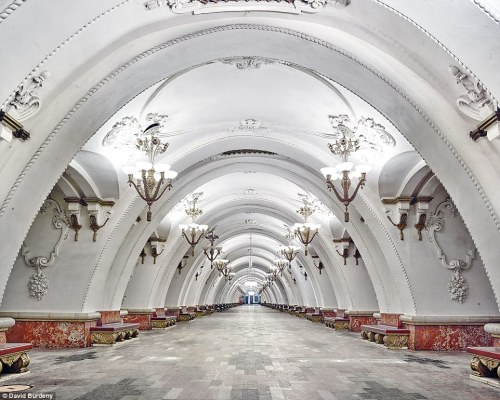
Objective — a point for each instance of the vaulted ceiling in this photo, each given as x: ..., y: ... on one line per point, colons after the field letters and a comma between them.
x: 248, y: 89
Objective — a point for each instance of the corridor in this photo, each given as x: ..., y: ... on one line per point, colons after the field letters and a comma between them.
x: 250, y: 353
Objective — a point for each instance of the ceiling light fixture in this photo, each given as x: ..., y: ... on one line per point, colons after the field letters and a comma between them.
x: 193, y: 232
x: 306, y: 231
x: 148, y: 178
x: 289, y: 252
x: 344, y: 147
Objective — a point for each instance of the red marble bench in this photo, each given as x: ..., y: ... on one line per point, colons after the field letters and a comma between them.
x: 13, y: 357
x: 113, y: 332
x: 163, y: 321
x: 486, y: 361
x: 338, y: 323
x: 315, y: 315
x: 391, y: 336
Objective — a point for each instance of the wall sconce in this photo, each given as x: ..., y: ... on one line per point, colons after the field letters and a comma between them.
x: 303, y: 272
x: 197, y: 275
x: 320, y: 266
x: 74, y: 207
x: 357, y: 256
x: 156, y: 245
x: 344, y: 242
x: 182, y: 263
x: 95, y: 207
x: 142, y: 255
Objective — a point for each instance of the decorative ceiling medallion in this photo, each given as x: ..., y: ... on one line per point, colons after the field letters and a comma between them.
x: 124, y: 133
x: 250, y: 125
x: 210, y: 6
x: 371, y: 135
x: 248, y: 62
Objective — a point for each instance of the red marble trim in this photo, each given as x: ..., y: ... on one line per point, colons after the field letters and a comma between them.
x: 496, y: 342
x: 329, y: 314
x: 390, y: 319
x: 356, y: 321
x: 385, y: 329
x: 108, y: 317
x: 491, y: 352
x: 144, y: 321
x: 51, y: 334
x: 447, y: 337
x: 9, y: 348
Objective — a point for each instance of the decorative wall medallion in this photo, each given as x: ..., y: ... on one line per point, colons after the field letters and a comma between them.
x: 209, y: 6
x: 38, y: 284
x: 457, y: 287
x: 248, y: 62
x: 26, y: 102
x: 476, y: 103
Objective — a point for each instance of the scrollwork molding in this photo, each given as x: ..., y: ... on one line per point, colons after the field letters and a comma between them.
x: 38, y: 284
x: 457, y: 286
x: 209, y: 6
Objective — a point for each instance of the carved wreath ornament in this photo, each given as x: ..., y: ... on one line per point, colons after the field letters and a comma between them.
x: 38, y: 284
x: 457, y: 286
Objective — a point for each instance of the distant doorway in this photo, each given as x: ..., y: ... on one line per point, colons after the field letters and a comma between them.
x: 251, y: 299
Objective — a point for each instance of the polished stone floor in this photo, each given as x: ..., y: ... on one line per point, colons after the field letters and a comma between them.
x: 251, y: 353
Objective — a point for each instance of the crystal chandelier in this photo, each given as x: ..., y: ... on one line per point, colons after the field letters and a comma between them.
x: 289, y: 252
x: 193, y: 232
x: 306, y: 231
x: 344, y: 147
x: 212, y: 252
x: 148, y: 178
x: 281, y: 265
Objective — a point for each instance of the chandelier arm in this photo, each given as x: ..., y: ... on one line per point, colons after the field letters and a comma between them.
x: 359, y: 185
x: 138, y: 191
x: 158, y: 186
x: 332, y: 187
x: 168, y: 186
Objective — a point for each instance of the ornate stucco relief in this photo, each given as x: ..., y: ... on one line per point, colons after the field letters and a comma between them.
x: 476, y: 103
x: 457, y: 286
x: 38, y: 284
x: 26, y: 101
x: 209, y: 6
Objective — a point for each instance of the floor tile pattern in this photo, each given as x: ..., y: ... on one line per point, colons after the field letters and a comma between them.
x: 250, y: 353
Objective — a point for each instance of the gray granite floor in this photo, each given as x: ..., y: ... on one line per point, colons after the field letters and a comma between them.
x: 250, y: 353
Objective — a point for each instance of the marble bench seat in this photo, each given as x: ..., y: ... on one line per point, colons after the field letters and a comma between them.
x: 390, y: 336
x: 338, y: 323
x: 163, y: 322
x: 486, y: 361
x: 13, y: 357
x: 113, y: 332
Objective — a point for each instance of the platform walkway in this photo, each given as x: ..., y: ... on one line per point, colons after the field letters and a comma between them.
x: 251, y: 353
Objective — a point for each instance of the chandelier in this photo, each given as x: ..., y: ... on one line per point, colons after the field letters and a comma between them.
x: 289, y: 252
x: 193, y: 232
x: 306, y: 231
x: 227, y: 273
x: 212, y: 252
x: 281, y: 265
x: 148, y: 178
x: 220, y: 264
x: 344, y: 147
